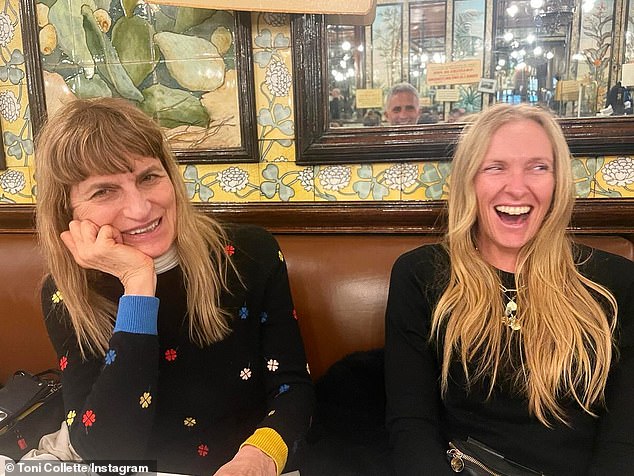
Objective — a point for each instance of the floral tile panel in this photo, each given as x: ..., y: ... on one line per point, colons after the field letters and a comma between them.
x: 222, y: 183
x: 12, y: 68
x: 286, y: 181
x: 15, y: 186
x: 425, y: 180
x: 356, y: 182
x: 277, y: 150
x: 273, y: 85
x: 274, y: 25
x: 615, y: 177
x: 16, y: 131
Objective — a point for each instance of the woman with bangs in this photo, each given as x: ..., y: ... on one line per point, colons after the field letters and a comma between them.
x: 510, y: 349
x: 176, y: 336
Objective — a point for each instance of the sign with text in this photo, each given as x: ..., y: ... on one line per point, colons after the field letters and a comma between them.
x: 567, y: 90
x: 447, y: 95
x: 369, y: 98
x: 456, y: 72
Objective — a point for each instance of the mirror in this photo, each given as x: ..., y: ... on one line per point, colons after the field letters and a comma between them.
x: 459, y: 56
x: 190, y: 69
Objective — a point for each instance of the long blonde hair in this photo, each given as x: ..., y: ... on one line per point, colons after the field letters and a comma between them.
x: 567, y: 320
x: 98, y: 137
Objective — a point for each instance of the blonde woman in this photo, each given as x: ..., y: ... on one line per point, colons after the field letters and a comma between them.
x: 507, y: 343
x: 177, y: 337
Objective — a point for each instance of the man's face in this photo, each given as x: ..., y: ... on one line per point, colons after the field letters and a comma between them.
x: 402, y: 109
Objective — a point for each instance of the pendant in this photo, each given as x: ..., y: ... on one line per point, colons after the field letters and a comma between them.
x: 513, y: 323
x: 509, y: 315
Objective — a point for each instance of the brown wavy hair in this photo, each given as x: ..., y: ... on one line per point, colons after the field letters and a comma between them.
x: 98, y: 137
x: 568, y: 321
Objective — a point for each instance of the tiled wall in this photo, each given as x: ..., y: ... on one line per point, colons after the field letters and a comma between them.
x: 276, y: 177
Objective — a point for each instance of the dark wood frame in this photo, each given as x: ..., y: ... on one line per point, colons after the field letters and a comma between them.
x: 246, y: 152
x: 590, y: 216
x: 317, y: 143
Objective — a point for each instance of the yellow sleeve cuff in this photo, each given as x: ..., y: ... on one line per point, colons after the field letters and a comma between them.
x: 271, y: 443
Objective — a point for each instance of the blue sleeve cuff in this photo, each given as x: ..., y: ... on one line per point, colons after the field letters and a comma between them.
x: 137, y: 315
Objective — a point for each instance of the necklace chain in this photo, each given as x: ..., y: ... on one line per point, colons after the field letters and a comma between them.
x: 510, y: 311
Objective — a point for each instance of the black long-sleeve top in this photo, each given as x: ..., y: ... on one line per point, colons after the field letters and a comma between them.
x: 157, y: 396
x: 421, y: 423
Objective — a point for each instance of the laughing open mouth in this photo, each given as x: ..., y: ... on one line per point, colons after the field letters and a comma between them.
x: 513, y: 215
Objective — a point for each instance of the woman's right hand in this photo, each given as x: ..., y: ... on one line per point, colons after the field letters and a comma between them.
x: 102, y: 248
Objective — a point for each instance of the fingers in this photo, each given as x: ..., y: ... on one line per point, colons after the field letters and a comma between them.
x: 102, y: 248
x: 90, y: 244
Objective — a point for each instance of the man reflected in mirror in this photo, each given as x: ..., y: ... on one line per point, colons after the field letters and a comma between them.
x: 402, y: 105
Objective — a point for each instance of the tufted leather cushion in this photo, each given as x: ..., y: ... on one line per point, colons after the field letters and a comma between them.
x: 339, y: 283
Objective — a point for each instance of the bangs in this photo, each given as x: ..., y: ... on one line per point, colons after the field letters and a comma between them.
x: 108, y: 148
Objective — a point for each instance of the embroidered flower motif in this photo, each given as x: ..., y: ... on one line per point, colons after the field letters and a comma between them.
x: 12, y: 181
x: 284, y: 388
x: 233, y: 179
x: 111, y: 355
x: 63, y: 363
x: 7, y: 29
x: 170, y: 355
x: 88, y: 418
x: 278, y: 78
x: 189, y: 421
x: 335, y: 177
x: 57, y: 297
x: 272, y: 365
x: 243, y: 313
x: 145, y: 400
x: 280, y: 255
x: 264, y: 317
x: 295, y: 314
x: 245, y: 373
x: 9, y: 107
x: 307, y: 178
x: 203, y: 449
x: 619, y: 172
x: 230, y: 250
x: 70, y: 417
x: 401, y: 176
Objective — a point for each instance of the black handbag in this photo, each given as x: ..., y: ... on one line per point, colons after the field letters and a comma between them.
x: 31, y: 406
x: 473, y: 458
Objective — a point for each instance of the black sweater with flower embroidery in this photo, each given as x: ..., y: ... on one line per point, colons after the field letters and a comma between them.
x: 421, y: 423
x: 157, y: 396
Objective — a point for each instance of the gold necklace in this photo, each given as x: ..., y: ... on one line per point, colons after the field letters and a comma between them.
x: 510, y: 311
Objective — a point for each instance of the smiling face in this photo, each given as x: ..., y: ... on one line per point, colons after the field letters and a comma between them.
x: 514, y: 188
x: 140, y: 204
x: 402, y: 108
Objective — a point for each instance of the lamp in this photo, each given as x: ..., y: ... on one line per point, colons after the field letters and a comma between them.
x: 555, y: 14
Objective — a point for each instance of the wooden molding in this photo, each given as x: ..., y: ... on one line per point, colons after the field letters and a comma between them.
x: 596, y: 216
